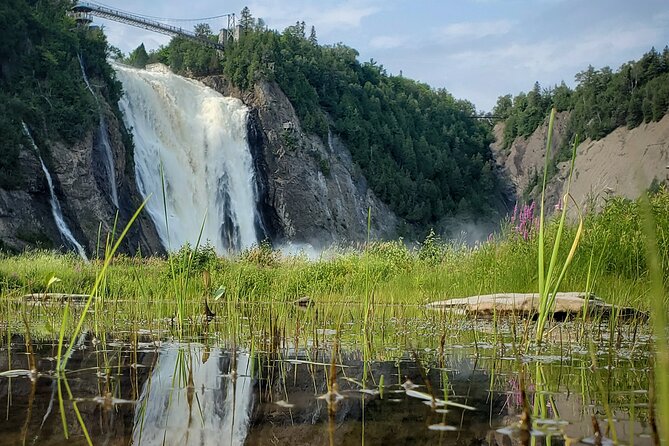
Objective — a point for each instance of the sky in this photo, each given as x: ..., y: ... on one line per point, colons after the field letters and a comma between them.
x: 476, y: 49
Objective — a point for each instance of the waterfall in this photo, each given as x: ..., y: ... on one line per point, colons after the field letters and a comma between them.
x: 191, y: 143
x: 85, y: 76
x: 103, y: 137
x: 56, y: 210
x: 194, y: 398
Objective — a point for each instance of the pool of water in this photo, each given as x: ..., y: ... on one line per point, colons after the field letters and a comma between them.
x: 469, y: 384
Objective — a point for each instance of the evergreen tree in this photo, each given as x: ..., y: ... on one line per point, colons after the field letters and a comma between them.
x: 246, y: 20
x: 138, y: 57
x: 503, y: 107
x: 312, y: 36
x: 203, y: 30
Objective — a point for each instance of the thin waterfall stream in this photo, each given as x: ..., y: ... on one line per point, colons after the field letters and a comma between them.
x: 103, y: 138
x: 56, y: 210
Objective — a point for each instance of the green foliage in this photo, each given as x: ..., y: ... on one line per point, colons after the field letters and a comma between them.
x: 435, y: 270
x: 41, y: 81
x: 432, y: 249
x: 619, y: 228
x: 138, y: 58
x: 187, y: 57
x: 261, y: 255
x: 602, y: 101
x: 419, y: 149
x: 194, y: 260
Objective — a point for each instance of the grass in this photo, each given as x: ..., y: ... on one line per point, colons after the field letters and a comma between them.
x: 371, y: 299
x: 391, y: 271
x: 549, y: 281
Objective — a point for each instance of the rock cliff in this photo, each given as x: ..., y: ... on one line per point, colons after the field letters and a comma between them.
x: 313, y: 192
x: 310, y: 190
x: 624, y: 163
x: 77, y: 170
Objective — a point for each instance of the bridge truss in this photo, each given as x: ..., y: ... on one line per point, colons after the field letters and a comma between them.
x: 83, y: 10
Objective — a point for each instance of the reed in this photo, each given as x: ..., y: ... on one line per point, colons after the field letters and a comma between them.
x: 550, y: 280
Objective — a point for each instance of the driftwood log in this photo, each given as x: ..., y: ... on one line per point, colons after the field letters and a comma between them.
x: 567, y: 305
x: 55, y: 297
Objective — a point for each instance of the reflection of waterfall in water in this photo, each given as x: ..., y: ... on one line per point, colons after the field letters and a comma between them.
x: 103, y: 137
x: 191, y: 399
x: 56, y: 210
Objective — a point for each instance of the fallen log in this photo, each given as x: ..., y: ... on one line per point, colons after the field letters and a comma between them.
x: 55, y: 297
x: 567, y: 305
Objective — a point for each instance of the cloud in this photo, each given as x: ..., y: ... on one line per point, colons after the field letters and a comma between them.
x: 326, y: 18
x: 475, y: 30
x: 549, y: 56
x: 387, y: 42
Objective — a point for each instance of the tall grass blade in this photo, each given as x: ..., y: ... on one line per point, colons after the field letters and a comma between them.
x: 658, y: 316
x: 549, y: 281
x: 98, y: 280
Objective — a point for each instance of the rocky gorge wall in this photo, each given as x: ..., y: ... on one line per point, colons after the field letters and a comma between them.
x: 310, y: 191
x: 78, y: 171
x: 624, y: 163
x: 313, y: 192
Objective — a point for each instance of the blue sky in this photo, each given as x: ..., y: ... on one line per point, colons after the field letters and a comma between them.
x: 476, y: 49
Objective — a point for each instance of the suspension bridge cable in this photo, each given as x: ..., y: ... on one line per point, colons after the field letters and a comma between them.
x: 167, y: 19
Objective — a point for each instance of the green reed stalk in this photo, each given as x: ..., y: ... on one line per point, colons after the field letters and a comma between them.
x: 658, y: 316
x: 100, y: 277
x: 61, y: 338
x: 549, y: 281
x: 183, y: 294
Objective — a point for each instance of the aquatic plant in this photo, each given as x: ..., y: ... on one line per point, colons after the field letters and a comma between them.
x: 550, y: 280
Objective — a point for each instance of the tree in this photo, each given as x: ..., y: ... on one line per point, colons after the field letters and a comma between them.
x: 203, y: 30
x: 114, y: 53
x: 138, y: 57
x: 503, y: 107
x: 312, y: 36
x: 246, y: 21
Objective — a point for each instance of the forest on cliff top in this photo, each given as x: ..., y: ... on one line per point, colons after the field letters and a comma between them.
x: 41, y: 81
x: 602, y: 100
x: 422, y: 151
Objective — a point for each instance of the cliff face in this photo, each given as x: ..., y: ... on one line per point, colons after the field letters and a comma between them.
x: 310, y: 191
x: 624, y: 163
x: 81, y: 187
x: 313, y: 192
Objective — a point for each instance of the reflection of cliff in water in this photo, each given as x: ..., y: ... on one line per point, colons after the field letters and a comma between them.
x: 395, y: 419
x: 33, y: 416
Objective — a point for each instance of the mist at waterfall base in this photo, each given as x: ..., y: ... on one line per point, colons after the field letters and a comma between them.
x: 191, y: 143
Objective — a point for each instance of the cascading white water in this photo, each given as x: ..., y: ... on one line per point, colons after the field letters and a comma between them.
x: 103, y: 137
x: 199, y: 139
x: 56, y: 210
x: 85, y: 76
x: 192, y: 399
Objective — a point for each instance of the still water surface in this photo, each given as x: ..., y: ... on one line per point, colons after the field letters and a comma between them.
x: 145, y: 388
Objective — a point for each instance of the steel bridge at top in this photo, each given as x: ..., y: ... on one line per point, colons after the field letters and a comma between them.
x: 83, y: 11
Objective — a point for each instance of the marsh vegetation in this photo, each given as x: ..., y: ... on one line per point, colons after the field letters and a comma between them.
x: 273, y: 348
